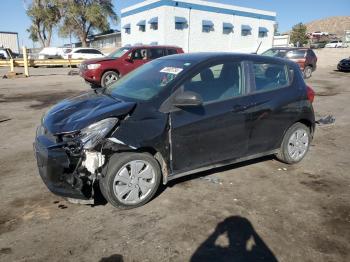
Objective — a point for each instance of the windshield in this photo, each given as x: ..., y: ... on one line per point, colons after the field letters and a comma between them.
x: 148, y: 80
x: 119, y: 52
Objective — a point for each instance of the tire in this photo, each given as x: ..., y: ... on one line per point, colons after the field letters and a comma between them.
x: 285, y: 153
x: 94, y: 86
x: 124, y: 189
x: 109, y: 78
x: 307, y: 72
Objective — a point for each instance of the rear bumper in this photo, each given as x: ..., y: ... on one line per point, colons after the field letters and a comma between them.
x: 55, y: 168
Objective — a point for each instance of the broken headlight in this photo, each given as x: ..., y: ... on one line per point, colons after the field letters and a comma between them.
x: 90, y: 136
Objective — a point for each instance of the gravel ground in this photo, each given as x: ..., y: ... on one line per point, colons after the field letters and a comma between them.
x: 246, y: 212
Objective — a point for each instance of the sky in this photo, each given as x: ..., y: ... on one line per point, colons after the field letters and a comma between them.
x: 289, y: 12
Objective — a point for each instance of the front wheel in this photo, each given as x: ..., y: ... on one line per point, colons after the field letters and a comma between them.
x: 130, y: 179
x: 295, y: 144
x: 307, y: 72
x: 109, y: 78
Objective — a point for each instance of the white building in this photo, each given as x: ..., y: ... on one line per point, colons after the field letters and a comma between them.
x: 197, y: 25
x: 9, y: 40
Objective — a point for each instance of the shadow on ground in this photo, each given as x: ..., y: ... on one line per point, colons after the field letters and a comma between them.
x: 243, y: 244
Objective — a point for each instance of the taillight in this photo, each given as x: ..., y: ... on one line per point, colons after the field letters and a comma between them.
x: 301, y: 61
x: 310, y: 94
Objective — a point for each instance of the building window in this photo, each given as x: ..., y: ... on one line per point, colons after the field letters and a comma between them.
x: 142, y: 25
x: 207, y: 26
x: 263, y: 32
x: 153, y: 23
x: 246, y: 30
x: 127, y: 28
x: 180, y: 23
x: 227, y: 28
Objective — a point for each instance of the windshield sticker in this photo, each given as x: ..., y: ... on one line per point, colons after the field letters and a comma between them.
x: 171, y: 70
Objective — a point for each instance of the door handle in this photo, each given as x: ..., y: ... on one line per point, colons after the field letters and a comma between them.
x: 239, y: 108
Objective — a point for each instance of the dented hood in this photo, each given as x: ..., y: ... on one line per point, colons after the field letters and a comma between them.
x: 78, y: 112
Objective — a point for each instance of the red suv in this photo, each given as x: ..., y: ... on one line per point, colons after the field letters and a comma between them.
x: 304, y: 57
x: 102, y: 72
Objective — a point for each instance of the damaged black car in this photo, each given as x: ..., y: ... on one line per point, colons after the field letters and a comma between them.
x: 173, y: 117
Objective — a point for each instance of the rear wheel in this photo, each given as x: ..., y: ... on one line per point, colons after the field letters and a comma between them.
x: 109, y: 78
x: 307, y: 72
x: 130, y: 179
x: 295, y: 144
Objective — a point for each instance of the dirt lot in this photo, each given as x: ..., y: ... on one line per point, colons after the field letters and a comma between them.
x: 260, y: 210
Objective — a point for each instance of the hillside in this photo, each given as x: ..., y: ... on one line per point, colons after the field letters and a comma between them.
x: 334, y: 25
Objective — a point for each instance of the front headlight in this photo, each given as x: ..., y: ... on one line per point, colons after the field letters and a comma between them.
x: 93, y: 66
x: 93, y: 134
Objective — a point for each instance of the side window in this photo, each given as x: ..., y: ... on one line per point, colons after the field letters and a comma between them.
x: 92, y: 51
x: 156, y: 53
x: 269, y: 76
x: 139, y: 54
x: 172, y: 52
x: 217, y: 82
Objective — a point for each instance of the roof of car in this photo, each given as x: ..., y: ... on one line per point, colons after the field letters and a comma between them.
x: 290, y: 48
x: 152, y: 46
x: 203, y: 56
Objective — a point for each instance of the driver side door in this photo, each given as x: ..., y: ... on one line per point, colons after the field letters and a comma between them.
x: 217, y: 130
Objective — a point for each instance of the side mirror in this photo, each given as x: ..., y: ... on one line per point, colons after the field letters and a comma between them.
x: 188, y: 99
x: 129, y: 59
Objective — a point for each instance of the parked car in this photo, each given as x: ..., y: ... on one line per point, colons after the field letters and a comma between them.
x: 304, y: 57
x: 50, y: 53
x: 317, y: 45
x: 344, y: 65
x: 335, y: 44
x: 6, y: 53
x: 82, y: 53
x: 104, y: 72
x: 172, y: 117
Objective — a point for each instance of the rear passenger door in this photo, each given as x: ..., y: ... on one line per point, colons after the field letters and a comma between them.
x: 218, y: 130
x: 277, y: 103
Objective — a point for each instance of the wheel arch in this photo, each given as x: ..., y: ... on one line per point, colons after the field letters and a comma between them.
x: 158, y: 156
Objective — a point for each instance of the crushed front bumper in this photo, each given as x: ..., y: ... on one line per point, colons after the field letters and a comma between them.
x: 56, y: 169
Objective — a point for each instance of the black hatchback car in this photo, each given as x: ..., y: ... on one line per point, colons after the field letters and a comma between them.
x: 344, y: 65
x: 172, y: 117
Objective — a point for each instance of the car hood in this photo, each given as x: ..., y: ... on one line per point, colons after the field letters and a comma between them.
x: 78, y: 112
x: 98, y: 60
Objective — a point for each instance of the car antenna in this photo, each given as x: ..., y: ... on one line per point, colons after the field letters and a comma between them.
x: 256, y: 52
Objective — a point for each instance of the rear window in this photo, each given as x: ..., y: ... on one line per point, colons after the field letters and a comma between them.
x: 269, y: 76
x: 296, y: 54
x: 285, y: 53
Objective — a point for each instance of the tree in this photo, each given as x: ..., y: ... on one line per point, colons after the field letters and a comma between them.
x: 44, y: 15
x: 298, y: 34
x: 82, y: 17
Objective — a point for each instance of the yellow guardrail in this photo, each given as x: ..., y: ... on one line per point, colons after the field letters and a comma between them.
x: 41, y: 62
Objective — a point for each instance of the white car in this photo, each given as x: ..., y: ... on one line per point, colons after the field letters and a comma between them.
x: 334, y: 44
x: 83, y: 53
x: 51, y: 53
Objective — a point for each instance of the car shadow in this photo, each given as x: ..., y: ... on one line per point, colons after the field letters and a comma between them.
x: 101, y: 201
x: 112, y: 258
x: 242, y: 244
x: 219, y: 170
